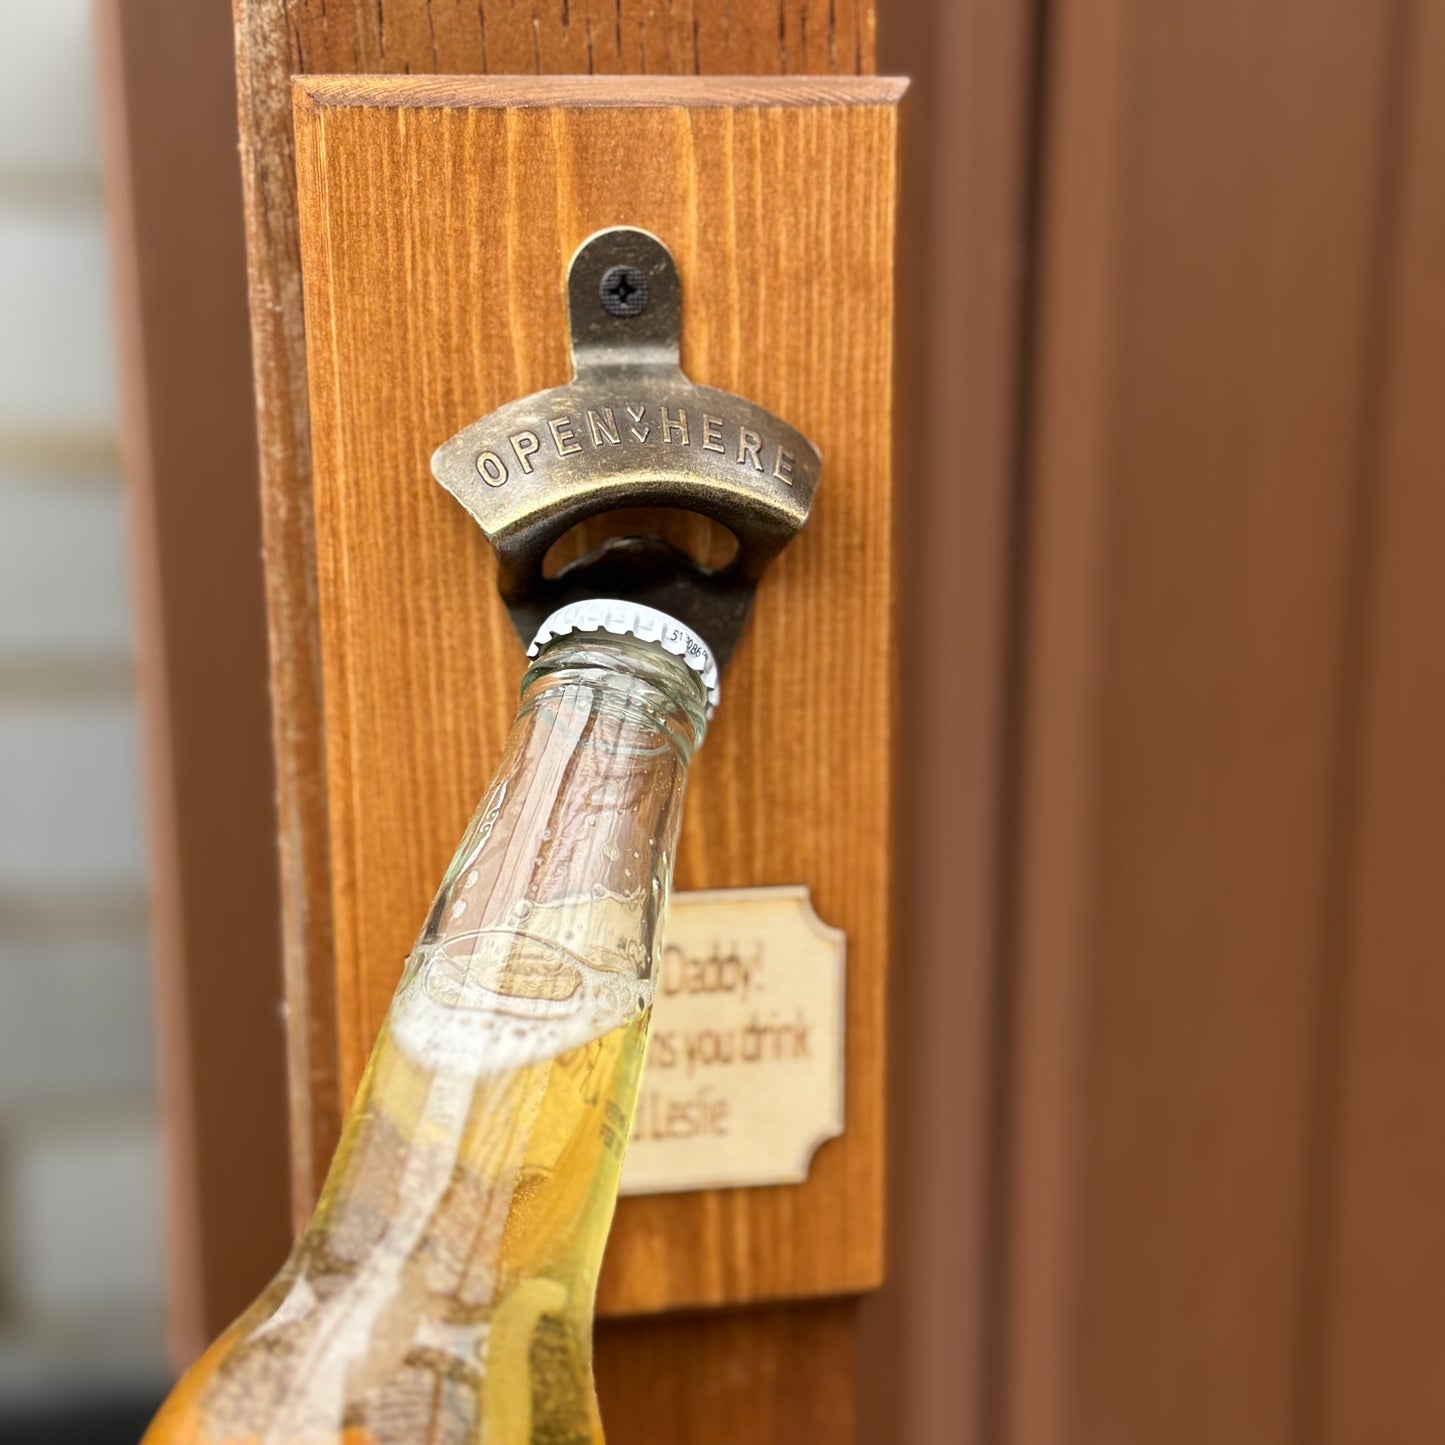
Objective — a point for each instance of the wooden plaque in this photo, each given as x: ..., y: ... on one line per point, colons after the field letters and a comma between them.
x: 746, y: 1059
x: 437, y: 219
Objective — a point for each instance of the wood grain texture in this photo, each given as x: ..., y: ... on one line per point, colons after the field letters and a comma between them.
x: 425, y: 314
x: 266, y: 54
x: 582, y: 37
x: 276, y: 39
x: 1212, y: 179
x: 776, y: 1375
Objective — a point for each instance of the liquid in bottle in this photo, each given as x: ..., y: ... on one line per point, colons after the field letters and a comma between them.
x: 442, y: 1293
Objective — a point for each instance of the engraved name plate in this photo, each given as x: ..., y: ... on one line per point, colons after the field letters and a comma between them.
x: 744, y: 1073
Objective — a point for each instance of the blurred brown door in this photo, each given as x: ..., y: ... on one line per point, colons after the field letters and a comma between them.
x: 1219, y: 1179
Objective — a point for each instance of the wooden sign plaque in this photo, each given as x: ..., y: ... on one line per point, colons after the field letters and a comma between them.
x: 745, y: 1064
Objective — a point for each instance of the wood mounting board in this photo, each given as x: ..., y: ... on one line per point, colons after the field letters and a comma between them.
x: 438, y: 215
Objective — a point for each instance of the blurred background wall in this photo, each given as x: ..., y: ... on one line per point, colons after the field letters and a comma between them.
x: 80, y: 1227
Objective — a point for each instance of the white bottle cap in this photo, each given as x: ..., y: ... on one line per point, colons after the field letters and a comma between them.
x: 634, y: 619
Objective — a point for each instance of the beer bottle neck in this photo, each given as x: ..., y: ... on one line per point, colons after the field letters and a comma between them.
x: 631, y: 681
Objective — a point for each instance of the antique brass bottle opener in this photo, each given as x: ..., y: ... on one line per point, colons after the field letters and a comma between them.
x: 630, y: 430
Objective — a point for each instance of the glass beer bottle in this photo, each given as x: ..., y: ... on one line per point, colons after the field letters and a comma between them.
x: 443, y: 1290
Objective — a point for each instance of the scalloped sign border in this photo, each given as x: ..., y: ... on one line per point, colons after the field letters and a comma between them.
x: 744, y: 1077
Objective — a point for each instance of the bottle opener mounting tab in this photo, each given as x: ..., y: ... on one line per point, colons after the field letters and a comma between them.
x: 630, y: 430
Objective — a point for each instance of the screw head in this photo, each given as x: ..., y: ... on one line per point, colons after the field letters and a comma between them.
x: 623, y: 291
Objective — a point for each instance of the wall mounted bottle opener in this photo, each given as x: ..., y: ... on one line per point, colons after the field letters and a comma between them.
x: 630, y: 430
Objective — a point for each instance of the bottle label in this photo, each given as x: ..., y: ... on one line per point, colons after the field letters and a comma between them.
x: 744, y: 1074
x: 501, y: 999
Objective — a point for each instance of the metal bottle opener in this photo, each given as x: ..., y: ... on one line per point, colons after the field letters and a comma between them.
x: 630, y: 430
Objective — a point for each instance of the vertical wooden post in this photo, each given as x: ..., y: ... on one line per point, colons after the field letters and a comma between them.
x: 274, y: 40
x: 774, y: 1374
